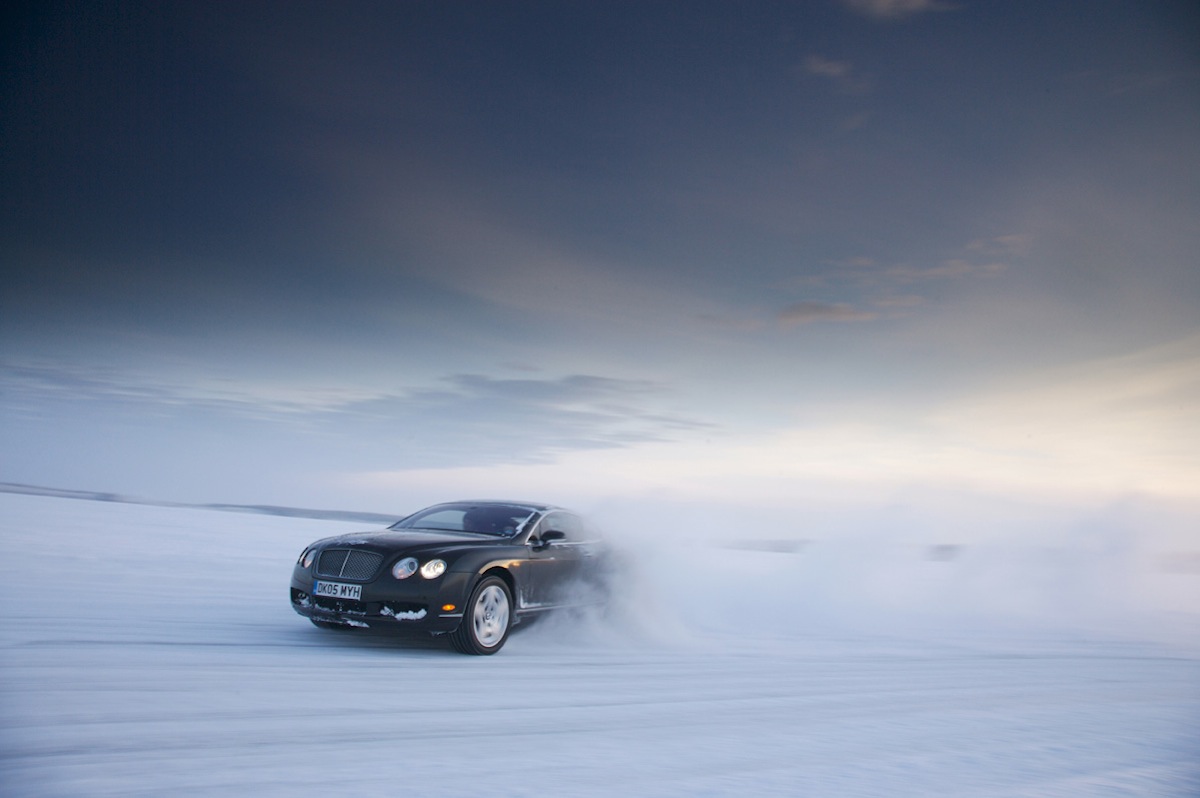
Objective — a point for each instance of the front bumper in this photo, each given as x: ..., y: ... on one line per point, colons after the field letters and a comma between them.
x: 416, y: 604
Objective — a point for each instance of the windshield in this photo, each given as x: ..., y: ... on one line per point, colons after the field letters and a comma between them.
x: 501, y: 520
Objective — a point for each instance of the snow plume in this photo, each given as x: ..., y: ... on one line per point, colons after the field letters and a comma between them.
x: 935, y: 565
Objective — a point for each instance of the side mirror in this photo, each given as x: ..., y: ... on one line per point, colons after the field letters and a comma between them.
x: 551, y: 535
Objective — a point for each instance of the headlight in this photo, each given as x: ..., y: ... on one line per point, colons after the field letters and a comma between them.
x: 405, y: 568
x: 306, y: 558
x: 433, y: 569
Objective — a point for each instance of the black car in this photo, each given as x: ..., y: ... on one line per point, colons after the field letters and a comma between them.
x: 469, y: 570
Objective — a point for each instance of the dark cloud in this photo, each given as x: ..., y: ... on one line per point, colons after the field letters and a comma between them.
x: 842, y: 73
x: 478, y: 419
x: 32, y: 384
x: 952, y: 269
x: 896, y: 9
x: 468, y: 419
x: 810, y: 312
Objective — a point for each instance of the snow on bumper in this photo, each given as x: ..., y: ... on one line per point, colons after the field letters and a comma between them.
x: 432, y: 606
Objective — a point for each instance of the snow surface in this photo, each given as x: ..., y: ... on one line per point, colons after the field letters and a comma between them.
x: 152, y: 651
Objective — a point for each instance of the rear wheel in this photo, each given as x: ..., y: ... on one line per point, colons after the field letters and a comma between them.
x: 488, y: 619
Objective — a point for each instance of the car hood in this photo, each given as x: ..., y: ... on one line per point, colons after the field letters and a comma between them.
x: 395, y: 541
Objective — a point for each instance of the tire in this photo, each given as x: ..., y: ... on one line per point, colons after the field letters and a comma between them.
x: 487, y: 620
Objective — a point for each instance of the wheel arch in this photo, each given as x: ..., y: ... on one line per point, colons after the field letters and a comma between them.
x: 503, y: 573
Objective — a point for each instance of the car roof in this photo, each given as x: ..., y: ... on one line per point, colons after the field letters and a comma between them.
x: 540, y: 507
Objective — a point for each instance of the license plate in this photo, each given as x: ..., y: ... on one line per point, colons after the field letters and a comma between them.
x: 337, y: 590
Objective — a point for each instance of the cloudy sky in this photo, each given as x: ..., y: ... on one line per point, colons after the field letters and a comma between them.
x: 362, y: 254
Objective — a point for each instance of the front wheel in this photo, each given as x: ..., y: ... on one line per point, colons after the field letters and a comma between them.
x: 487, y: 620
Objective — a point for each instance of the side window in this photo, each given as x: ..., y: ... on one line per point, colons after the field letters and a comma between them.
x: 566, y: 523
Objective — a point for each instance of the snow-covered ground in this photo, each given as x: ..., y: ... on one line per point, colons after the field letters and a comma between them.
x: 151, y: 651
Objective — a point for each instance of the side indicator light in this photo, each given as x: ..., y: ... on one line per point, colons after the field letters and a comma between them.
x: 448, y: 608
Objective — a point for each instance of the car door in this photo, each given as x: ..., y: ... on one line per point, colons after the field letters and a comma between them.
x: 554, y: 562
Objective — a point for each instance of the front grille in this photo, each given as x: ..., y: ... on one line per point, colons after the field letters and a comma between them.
x: 348, y: 564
